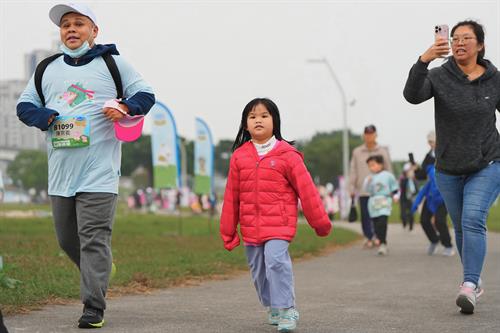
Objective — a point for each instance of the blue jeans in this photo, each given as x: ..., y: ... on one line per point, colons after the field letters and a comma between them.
x: 468, y: 199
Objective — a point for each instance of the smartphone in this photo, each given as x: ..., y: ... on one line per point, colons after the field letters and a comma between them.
x: 411, y: 158
x: 442, y: 30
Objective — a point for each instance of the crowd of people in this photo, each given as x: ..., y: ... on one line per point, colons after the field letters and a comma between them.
x: 171, y: 201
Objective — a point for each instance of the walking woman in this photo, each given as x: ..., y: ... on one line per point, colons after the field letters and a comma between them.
x: 466, y: 91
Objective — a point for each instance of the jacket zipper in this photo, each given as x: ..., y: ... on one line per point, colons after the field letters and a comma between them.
x: 257, y: 210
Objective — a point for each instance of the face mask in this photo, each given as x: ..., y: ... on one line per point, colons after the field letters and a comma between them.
x: 76, y: 53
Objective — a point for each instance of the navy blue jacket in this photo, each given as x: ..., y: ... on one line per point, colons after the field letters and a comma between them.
x: 32, y: 115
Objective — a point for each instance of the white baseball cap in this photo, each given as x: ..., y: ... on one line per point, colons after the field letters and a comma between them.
x: 58, y: 11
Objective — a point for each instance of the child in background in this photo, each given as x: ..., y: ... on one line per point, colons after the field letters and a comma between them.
x: 266, y: 174
x: 382, y: 186
x: 434, y: 207
x: 407, y: 190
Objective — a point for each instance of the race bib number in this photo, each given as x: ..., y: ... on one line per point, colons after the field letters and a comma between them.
x: 380, y: 202
x: 70, y: 132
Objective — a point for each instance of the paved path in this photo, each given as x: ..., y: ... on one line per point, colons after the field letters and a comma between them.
x: 350, y: 290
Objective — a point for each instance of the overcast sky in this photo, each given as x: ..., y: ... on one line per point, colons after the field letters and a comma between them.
x: 209, y: 58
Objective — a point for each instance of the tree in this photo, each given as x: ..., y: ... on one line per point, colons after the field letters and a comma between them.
x: 189, y: 145
x: 222, y: 155
x: 136, y: 154
x: 323, y: 154
x: 30, y: 169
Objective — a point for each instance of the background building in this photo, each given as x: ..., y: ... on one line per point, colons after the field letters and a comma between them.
x: 14, y: 135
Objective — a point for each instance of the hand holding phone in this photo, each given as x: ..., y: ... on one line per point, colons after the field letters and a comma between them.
x: 411, y: 158
x: 441, y: 46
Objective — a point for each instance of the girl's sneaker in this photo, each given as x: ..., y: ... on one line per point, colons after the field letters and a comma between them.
x: 288, y: 319
x: 273, y: 316
x: 467, y: 298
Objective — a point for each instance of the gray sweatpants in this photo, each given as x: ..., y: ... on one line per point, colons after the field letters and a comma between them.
x: 272, y: 274
x: 83, y: 226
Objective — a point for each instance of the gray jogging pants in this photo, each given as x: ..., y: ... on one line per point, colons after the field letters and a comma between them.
x: 83, y: 226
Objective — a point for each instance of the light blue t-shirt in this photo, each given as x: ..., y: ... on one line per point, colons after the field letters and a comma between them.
x: 80, y: 92
x: 380, y: 186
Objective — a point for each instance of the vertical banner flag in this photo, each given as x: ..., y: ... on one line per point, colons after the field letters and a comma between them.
x: 166, y: 161
x: 203, y: 159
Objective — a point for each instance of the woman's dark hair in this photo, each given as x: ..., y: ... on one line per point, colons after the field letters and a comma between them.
x: 244, y: 136
x: 379, y: 159
x: 478, y: 31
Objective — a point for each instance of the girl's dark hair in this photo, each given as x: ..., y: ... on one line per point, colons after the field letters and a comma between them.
x: 379, y: 159
x: 244, y: 136
x: 478, y: 31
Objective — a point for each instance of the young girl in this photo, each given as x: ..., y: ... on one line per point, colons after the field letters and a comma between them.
x: 382, y: 186
x: 266, y: 174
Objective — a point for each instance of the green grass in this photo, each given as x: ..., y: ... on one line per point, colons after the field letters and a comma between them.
x: 16, y: 206
x: 493, y: 222
x: 146, y: 249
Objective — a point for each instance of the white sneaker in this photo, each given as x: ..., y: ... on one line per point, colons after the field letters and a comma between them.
x: 273, y: 316
x: 448, y: 252
x: 382, y: 250
x: 288, y: 319
x: 432, y: 249
x: 467, y: 298
x: 479, y: 289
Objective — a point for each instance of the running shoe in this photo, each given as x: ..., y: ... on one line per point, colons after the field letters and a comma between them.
x: 467, y: 298
x: 91, y: 318
x: 382, y: 250
x: 448, y: 252
x: 288, y: 319
x: 273, y: 316
x: 432, y: 249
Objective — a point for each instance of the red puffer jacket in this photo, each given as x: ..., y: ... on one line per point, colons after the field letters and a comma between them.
x: 261, y: 194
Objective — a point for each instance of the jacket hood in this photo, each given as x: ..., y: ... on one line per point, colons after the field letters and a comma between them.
x: 451, y: 66
x: 97, y: 51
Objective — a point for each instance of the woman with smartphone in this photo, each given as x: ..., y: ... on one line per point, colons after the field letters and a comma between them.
x: 466, y: 91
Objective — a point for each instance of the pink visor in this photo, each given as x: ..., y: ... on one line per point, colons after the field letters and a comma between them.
x: 129, y: 128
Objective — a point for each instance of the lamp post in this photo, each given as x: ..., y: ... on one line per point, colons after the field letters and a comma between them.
x: 345, y: 134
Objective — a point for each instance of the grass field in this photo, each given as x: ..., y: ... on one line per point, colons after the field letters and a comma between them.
x: 147, y: 250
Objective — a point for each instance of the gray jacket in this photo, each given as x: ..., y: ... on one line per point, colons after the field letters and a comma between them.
x: 359, y: 168
x: 467, y: 139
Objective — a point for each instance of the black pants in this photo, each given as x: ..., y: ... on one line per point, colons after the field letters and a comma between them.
x: 366, y: 221
x: 2, y: 327
x: 380, y: 225
x: 440, y: 223
x: 406, y: 215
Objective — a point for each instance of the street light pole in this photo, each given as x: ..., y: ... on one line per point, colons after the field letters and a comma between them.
x: 345, y: 133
